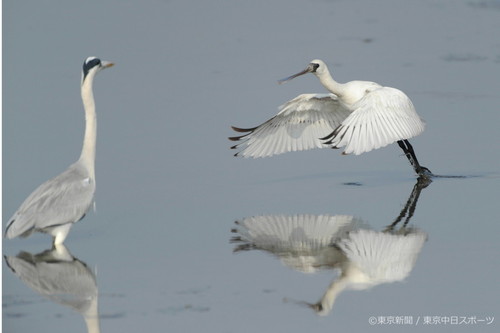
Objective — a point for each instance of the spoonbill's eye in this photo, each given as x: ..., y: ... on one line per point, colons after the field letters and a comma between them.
x: 314, y: 67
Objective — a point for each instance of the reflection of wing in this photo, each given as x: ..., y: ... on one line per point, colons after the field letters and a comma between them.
x: 295, y: 233
x: 60, y: 200
x: 302, y: 242
x: 298, y: 126
x: 383, y: 116
x: 383, y: 257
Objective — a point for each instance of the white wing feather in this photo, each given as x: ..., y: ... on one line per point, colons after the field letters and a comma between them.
x: 385, y: 115
x: 299, y: 125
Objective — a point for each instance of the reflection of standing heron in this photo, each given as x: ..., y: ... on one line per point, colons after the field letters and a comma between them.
x: 62, y: 278
x: 359, y: 115
x: 61, y: 201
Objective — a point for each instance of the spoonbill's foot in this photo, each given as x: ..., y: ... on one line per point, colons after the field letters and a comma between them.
x: 424, y: 172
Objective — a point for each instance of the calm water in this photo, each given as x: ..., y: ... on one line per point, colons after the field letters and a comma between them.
x: 158, y: 253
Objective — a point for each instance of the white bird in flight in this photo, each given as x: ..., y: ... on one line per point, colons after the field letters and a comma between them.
x: 61, y: 201
x: 358, y: 115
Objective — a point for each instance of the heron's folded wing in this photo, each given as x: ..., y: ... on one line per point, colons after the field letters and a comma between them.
x: 298, y: 126
x: 63, y: 199
x: 382, y: 117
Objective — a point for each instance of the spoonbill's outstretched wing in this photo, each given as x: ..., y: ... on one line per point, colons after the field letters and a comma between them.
x: 299, y: 125
x: 383, y: 116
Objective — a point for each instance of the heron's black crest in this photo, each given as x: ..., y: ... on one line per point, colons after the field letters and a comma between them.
x: 90, y: 63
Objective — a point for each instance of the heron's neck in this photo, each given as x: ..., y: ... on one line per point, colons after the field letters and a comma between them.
x: 89, y: 141
x: 91, y: 317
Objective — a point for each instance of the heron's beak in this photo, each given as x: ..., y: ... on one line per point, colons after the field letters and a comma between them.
x: 106, y: 64
x: 308, y: 69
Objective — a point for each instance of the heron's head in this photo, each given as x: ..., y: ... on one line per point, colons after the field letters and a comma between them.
x: 92, y: 65
x: 317, y: 67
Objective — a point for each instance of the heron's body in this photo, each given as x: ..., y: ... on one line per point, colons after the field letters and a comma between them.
x: 358, y: 115
x: 63, y: 200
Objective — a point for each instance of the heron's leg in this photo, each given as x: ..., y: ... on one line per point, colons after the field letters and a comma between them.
x: 410, y: 154
x: 60, y: 232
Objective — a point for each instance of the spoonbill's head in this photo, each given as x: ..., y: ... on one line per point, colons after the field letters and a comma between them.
x: 317, y: 67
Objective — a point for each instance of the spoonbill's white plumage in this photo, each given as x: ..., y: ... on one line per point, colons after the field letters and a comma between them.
x: 298, y: 126
x: 61, y: 201
x: 358, y: 115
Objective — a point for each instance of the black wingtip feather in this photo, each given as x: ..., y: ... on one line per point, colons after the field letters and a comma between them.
x: 329, y: 136
x: 243, y: 130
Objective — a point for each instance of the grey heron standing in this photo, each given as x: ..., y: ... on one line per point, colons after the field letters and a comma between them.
x: 358, y: 115
x: 63, y: 200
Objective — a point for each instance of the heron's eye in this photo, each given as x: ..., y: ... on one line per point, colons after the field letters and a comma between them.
x: 314, y: 67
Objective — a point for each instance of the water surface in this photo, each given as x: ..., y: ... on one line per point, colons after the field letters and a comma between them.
x: 169, y: 190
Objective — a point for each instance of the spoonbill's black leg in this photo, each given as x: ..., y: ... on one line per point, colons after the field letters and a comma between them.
x: 410, y: 154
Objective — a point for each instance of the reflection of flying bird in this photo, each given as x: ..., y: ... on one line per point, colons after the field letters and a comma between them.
x: 302, y: 242
x: 364, y: 257
x: 373, y: 258
x: 57, y: 275
x: 378, y: 257
x: 61, y: 201
x: 307, y: 243
x: 359, y: 115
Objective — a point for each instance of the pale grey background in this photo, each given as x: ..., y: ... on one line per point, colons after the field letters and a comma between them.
x: 168, y: 188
